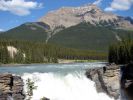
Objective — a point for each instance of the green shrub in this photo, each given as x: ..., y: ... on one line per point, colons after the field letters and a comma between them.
x: 30, y: 87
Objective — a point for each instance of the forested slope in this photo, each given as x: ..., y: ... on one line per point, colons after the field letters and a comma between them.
x: 37, y: 52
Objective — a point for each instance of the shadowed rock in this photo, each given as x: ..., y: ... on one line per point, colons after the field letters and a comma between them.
x: 127, y: 81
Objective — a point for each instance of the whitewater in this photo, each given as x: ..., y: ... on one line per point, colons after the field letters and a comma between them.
x: 60, y: 81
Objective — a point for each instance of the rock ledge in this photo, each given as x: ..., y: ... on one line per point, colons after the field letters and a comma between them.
x: 106, y: 79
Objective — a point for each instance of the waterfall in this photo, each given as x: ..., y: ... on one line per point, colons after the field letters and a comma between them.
x: 69, y: 86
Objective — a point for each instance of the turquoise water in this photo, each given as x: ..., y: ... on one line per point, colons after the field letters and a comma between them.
x: 45, y: 68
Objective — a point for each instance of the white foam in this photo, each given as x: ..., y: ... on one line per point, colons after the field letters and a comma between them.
x: 72, y: 86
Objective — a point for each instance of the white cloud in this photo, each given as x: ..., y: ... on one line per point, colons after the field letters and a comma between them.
x: 97, y: 2
x: 109, y: 9
x: 1, y: 30
x: 119, y: 5
x: 19, y: 7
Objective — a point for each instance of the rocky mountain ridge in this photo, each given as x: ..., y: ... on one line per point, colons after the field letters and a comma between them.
x: 71, y: 16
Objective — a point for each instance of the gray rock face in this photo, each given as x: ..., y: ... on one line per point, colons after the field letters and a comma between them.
x: 71, y: 16
x: 127, y: 81
x: 11, y: 87
x: 106, y: 79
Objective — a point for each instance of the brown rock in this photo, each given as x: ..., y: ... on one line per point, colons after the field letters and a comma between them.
x: 11, y: 87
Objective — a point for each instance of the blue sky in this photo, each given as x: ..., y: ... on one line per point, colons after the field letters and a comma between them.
x: 17, y: 12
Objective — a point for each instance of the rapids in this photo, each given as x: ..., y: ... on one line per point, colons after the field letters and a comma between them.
x: 59, y: 81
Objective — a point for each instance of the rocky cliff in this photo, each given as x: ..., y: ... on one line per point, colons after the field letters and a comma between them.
x: 11, y: 87
x: 106, y: 79
x: 127, y: 81
x: 71, y: 16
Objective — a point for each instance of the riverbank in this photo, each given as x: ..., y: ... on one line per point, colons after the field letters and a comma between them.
x: 60, y: 61
x: 8, y: 65
x: 65, y: 61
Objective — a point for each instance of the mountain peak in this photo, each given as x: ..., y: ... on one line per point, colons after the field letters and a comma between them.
x: 70, y: 16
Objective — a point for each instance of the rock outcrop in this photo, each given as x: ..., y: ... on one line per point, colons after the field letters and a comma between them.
x: 127, y: 81
x: 12, y: 51
x: 106, y: 79
x: 44, y: 98
x: 127, y: 75
x: 11, y: 87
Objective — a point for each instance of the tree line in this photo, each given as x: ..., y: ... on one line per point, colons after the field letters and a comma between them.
x: 121, y: 52
x: 38, y: 52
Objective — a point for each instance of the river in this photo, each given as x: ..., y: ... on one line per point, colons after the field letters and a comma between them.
x: 59, y: 81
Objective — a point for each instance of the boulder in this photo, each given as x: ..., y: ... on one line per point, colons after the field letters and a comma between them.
x: 44, y: 98
x: 11, y: 87
x: 106, y: 79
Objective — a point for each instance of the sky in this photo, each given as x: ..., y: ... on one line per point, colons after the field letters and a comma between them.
x: 16, y: 12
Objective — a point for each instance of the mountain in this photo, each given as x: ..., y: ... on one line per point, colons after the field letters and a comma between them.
x: 36, y: 31
x: 88, y: 36
x: 71, y: 16
x: 85, y: 27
